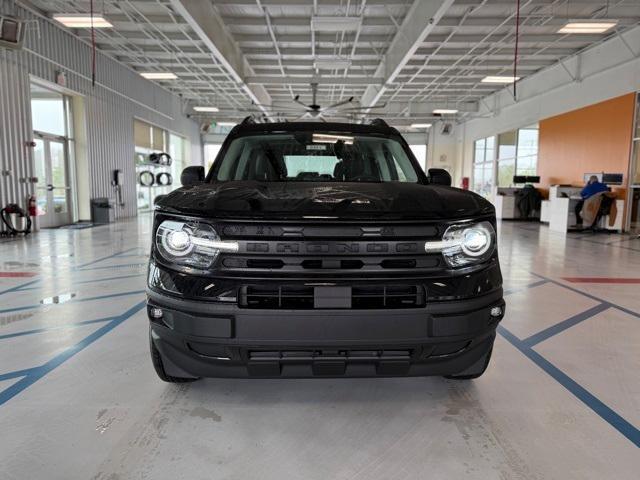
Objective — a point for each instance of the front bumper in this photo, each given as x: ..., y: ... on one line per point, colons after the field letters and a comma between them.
x: 206, y: 339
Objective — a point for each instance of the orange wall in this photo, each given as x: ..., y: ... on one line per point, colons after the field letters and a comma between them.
x: 596, y: 138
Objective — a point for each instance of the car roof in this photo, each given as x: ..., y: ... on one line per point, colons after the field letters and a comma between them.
x: 250, y: 127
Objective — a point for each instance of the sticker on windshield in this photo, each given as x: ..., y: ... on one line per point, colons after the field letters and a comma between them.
x: 316, y: 146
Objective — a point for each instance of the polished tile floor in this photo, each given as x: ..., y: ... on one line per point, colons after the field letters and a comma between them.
x: 79, y: 398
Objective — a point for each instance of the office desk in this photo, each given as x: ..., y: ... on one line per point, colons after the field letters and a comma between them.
x: 562, y: 204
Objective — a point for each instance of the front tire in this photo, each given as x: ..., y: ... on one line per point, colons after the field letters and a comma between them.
x: 476, y: 370
x: 156, y: 360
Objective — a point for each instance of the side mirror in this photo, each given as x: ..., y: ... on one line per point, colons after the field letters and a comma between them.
x: 439, y: 176
x: 192, y: 176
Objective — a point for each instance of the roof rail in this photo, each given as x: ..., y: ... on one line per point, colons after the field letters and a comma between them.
x: 378, y: 122
x: 249, y: 120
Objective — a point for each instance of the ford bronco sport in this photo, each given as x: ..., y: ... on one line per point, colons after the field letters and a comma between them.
x: 321, y: 249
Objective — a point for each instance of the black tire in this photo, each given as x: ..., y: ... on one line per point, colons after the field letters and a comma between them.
x: 474, y: 371
x: 156, y: 360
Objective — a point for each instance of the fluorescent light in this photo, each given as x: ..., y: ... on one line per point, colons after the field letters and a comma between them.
x: 499, y: 79
x: 334, y: 24
x: 588, y: 26
x: 338, y: 63
x: 226, y: 124
x: 206, y: 109
x: 82, y: 20
x: 159, y: 75
x: 328, y: 138
x: 443, y: 111
x: 420, y: 125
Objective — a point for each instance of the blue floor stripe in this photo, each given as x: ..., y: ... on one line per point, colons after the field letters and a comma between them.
x: 125, y: 265
x: 57, y: 327
x: 35, y: 374
x: 97, y: 260
x: 602, y: 410
x: 565, y: 324
x: 18, y: 287
x: 511, y: 291
x: 78, y: 300
x: 16, y: 374
x: 77, y: 267
x: 588, y: 295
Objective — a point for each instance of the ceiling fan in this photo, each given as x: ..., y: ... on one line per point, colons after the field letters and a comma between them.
x: 342, y: 109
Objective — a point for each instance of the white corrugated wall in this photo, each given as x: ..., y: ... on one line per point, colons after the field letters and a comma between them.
x: 119, y: 95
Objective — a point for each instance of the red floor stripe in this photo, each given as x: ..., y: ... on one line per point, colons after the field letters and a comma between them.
x: 630, y: 281
x: 17, y: 274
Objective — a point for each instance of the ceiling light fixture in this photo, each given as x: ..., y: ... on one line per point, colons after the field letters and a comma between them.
x: 159, y: 75
x: 73, y: 20
x: 499, y: 79
x: 334, y: 24
x: 420, y: 125
x: 206, y: 109
x: 444, y: 111
x: 588, y: 26
x: 226, y: 124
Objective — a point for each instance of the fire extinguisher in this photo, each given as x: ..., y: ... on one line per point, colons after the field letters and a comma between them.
x: 32, y: 206
x: 465, y: 183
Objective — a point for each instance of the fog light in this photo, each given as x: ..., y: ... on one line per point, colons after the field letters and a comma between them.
x: 155, y: 312
x: 496, y: 312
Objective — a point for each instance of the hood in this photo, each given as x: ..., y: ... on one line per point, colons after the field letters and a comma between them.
x: 296, y: 200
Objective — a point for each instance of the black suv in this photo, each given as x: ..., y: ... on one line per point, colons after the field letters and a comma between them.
x: 321, y: 249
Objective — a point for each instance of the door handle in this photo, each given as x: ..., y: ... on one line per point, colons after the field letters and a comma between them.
x: 49, y: 187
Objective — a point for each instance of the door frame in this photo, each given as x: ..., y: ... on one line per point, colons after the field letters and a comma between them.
x: 631, y: 186
x: 57, y: 219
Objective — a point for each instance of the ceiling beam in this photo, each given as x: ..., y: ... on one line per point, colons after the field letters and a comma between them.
x: 209, y: 26
x: 309, y: 79
x: 427, y: 108
x: 460, y: 38
x: 419, y: 22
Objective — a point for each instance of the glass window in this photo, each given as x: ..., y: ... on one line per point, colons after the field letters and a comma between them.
x: 210, y: 153
x: 420, y: 152
x: 142, y: 134
x: 315, y: 157
x: 48, y: 111
x: 296, y: 164
x: 480, y: 151
x: 484, y: 155
x: 506, y: 171
x: 150, y: 139
x: 635, y: 162
x: 177, y: 150
x: 507, y: 145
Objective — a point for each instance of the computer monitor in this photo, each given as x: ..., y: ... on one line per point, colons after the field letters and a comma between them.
x: 612, y: 178
x: 587, y: 176
x: 519, y: 179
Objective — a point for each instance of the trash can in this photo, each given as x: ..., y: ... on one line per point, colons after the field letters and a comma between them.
x: 101, y: 210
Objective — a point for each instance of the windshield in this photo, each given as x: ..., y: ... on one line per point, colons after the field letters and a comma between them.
x: 315, y: 157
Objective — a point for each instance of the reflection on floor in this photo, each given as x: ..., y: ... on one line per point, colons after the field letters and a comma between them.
x: 78, y: 397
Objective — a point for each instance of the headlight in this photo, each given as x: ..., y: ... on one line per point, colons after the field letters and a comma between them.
x: 463, y: 245
x: 193, y: 244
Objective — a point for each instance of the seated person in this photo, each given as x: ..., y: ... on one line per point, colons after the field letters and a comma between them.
x: 593, y: 187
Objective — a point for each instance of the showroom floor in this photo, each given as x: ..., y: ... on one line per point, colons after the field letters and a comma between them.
x: 79, y: 398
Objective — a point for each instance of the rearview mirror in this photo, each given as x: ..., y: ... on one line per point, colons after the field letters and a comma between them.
x: 192, y: 176
x: 439, y: 176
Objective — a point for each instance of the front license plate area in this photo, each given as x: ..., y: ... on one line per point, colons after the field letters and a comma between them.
x: 332, y: 297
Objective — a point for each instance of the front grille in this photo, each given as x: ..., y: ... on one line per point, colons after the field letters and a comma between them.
x: 388, y: 296
x: 279, y: 250
x: 311, y: 297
